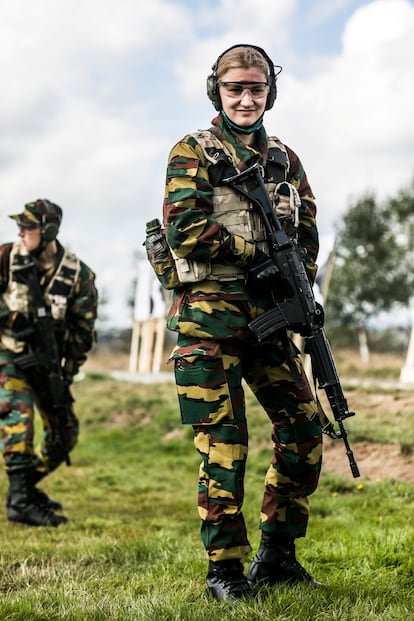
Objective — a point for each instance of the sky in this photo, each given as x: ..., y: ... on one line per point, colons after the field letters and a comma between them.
x: 95, y: 93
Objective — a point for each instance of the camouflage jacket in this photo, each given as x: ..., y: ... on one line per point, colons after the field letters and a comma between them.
x: 193, y: 233
x: 80, y: 307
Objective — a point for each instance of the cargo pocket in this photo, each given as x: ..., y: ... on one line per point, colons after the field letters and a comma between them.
x: 202, y: 388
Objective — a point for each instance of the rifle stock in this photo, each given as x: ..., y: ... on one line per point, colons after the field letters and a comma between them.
x: 298, y: 311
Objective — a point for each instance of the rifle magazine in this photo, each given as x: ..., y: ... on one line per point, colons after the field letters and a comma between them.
x: 267, y: 324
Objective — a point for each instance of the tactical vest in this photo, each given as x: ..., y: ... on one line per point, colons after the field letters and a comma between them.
x: 234, y: 212
x: 57, y: 293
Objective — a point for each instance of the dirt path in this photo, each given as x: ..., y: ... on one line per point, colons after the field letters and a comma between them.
x: 375, y: 461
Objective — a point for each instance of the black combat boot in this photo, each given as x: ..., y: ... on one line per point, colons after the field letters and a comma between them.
x: 43, y: 498
x: 41, y: 495
x: 226, y: 581
x: 23, y: 504
x: 40, y: 498
x: 275, y: 561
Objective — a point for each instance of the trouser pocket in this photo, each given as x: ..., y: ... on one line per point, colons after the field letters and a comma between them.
x: 202, y: 387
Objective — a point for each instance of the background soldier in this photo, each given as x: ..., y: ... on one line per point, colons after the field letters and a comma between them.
x: 227, y: 279
x: 38, y: 264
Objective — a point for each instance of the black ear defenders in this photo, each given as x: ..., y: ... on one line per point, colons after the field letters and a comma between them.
x: 212, y: 84
x: 50, y: 221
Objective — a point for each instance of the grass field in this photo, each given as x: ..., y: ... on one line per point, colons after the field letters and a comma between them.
x: 131, y: 550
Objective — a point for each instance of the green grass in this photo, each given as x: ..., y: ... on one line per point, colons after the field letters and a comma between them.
x: 132, y: 551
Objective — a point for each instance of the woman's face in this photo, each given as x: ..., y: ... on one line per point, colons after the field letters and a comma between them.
x: 243, y: 94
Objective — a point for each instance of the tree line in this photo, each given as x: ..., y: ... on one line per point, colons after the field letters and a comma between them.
x: 372, y: 265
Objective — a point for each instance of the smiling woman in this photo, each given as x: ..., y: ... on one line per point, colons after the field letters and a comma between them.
x: 225, y: 279
x: 243, y: 95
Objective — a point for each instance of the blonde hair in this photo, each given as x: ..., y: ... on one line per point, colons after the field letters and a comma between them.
x: 242, y: 57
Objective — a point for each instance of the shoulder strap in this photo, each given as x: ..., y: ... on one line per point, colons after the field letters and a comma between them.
x: 218, y: 160
x: 5, y: 250
x: 65, y: 276
x: 278, y: 163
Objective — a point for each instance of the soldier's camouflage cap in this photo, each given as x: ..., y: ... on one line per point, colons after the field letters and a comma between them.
x: 34, y: 213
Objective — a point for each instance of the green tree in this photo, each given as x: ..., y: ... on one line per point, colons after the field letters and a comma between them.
x: 372, y: 270
x: 402, y: 213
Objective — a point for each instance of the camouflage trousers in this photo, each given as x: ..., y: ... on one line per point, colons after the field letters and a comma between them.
x: 17, y: 412
x: 209, y: 377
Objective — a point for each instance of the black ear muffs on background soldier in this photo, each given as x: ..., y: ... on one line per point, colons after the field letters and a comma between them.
x: 50, y: 221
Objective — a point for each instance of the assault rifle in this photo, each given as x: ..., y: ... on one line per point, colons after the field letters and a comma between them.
x: 297, y: 310
x: 44, y: 361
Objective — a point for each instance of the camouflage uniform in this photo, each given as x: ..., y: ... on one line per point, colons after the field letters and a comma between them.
x: 17, y: 396
x: 215, y: 351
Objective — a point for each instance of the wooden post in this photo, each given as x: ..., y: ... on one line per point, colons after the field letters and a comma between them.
x: 133, y: 355
x: 158, y: 344
x: 407, y: 372
x: 148, y: 329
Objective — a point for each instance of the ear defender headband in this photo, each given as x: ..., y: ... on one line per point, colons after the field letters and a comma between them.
x: 50, y: 221
x: 212, y: 84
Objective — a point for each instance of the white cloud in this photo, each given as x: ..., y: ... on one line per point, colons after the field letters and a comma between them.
x: 351, y: 122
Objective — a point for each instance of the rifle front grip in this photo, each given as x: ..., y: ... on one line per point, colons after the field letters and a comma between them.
x: 324, y: 370
x: 322, y: 360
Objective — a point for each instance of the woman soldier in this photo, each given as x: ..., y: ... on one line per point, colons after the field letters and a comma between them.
x: 226, y: 279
